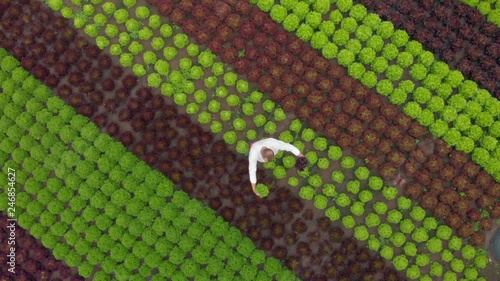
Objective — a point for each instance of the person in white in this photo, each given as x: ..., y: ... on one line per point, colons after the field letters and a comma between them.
x: 264, y: 151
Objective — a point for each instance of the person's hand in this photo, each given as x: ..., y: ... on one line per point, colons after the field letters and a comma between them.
x: 255, y: 191
x: 300, y: 155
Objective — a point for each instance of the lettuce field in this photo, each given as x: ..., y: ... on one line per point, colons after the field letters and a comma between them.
x: 125, y: 129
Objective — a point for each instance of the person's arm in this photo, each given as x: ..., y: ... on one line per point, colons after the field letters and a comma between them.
x: 289, y: 147
x: 252, y: 171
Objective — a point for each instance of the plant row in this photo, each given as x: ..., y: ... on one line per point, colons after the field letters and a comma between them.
x: 34, y: 262
x: 449, y: 35
x: 346, y: 258
x: 408, y: 237
x: 184, y: 222
x: 489, y: 9
x: 396, y: 138
x: 432, y: 81
x: 233, y: 193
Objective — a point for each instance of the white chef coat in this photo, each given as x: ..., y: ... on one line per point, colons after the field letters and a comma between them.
x: 255, y: 155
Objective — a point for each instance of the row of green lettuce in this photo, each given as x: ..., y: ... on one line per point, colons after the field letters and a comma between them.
x: 457, y: 110
x: 224, y: 94
x: 490, y: 9
x: 97, y: 192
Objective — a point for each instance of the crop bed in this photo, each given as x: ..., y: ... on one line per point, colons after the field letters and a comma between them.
x: 125, y: 128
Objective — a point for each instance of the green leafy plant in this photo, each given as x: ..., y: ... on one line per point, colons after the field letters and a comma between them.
x: 365, y: 196
x: 362, y: 173
x: 348, y: 221
x: 334, y: 152
x: 320, y: 201
x: 356, y: 70
x: 443, y: 232
x: 373, y: 243
x: 345, y: 57
x: 329, y: 51
x: 329, y: 190
x: 385, y: 29
x: 270, y: 127
x: 320, y: 143
x: 468, y: 252
x: 291, y: 22
x: 390, y: 51
x: 471, y: 273
x: 259, y: 120
x: 430, y: 223
x: 304, y: 32
x: 262, y: 189
x: 357, y: 208
x: 366, y: 55
x: 400, y: 262
x: 343, y: 200
x: 418, y: 71
x: 372, y: 220
x: 328, y: 27
x: 308, y: 134
x: 380, y: 207
x: 435, y: 104
x: 385, y: 230
x: 315, y: 180
x: 361, y: 233
x: 363, y: 32
x: 406, y: 226
x: 394, y: 216
x: 288, y: 160
x: 385, y: 87
x: 481, y: 261
x: 413, y: 272
x: 412, y: 109
x: 278, y: 13
x: 348, y: 162
x: 293, y: 181
x: 436, y: 269
x: 386, y: 252
x: 420, y: 235
x: 323, y: 163
x: 319, y: 40
x: 333, y: 213
x: 239, y: 124
x: 394, y: 73
x: 390, y: 193
x: 405, y: 203
x: 421, y: 95
x: 307, y: 192
x: 279, y: 172
x: 354, y: 45
x: 279, y: 114
x: 375, y: 183
x: 369, y: 79
x: 398, y: 239
x: 353, y: 186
